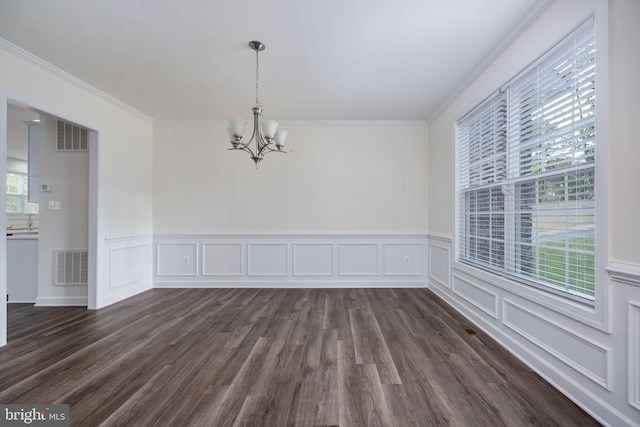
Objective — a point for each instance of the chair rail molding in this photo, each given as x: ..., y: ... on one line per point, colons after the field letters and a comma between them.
x: 624, y: 272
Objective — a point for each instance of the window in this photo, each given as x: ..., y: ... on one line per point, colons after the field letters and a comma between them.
x: 17, y: 194
x: 526, y: 174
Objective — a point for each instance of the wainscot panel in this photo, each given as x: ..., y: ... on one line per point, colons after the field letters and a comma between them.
x: 268, y: 259
x: 290, y: 260
x: 634, y: 354
x: 587, y: 358
x: 358, y: 259
x: 440, y: 261
x: 177, y: 259
x: 403, y: 259
x: 222, y: 259
x: 476, y: 294
x: 313, y: 259
x: 129, y: 264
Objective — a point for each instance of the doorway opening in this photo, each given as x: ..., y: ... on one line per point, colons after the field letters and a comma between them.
x: 56, y: 217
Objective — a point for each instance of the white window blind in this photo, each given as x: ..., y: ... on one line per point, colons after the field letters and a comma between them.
x: 482, y: 142
x: 526, y: 173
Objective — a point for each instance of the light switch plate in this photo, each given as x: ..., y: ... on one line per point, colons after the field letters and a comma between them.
x: 54, y: 205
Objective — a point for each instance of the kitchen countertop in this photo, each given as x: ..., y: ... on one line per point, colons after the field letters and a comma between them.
x: 22, y: 236
x: 22, y: 233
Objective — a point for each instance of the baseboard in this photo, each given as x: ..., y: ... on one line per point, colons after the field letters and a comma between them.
x: 289, y: 285
x: 123, y: 292
x: 61, y: 301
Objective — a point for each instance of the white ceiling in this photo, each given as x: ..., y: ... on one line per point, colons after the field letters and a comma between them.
x: 325, y: 59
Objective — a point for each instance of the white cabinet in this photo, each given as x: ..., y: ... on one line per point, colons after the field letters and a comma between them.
x: 22, y: 269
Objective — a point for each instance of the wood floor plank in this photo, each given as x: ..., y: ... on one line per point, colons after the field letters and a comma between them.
x: 134, y: 411
x: 46, y: 384
x: 351, y: 411
x: 400, y: 406
x: 277, y: 398
x: 327, y: 400
x: 273, y: 357
x: 229, y: 406
x: 373, y: 402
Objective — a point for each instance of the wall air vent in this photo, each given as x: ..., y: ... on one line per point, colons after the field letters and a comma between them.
x: 72, y: 267
x: 72, y: 137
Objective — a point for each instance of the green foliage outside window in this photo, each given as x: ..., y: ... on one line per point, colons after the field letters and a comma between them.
x: 17, y: 195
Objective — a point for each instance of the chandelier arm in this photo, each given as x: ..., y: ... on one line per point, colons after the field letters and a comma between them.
x: 275, y: 151
x: 244, y: 148
x: 267, y: 149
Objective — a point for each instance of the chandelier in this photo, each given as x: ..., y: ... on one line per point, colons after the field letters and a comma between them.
x: 266, y: 137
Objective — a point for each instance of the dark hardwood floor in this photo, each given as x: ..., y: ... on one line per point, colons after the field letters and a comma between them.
x: 277, y: 357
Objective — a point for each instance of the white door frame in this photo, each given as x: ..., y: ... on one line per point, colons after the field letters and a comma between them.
x: 95, y: 220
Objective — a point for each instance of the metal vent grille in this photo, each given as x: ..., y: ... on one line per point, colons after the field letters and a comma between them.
x: 72, y: 267
x: 72, y: 138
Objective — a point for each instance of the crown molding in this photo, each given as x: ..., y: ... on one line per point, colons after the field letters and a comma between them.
x: 527, y: 21
x: 302, y: 123
x: 350, y: 123
x: 17, y: 51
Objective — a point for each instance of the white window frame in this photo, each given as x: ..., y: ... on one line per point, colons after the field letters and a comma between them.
x: 596, y: 315
x: 23, y: 195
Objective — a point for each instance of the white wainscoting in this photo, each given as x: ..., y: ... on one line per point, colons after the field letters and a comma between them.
x: 476, y: 293
x: 358, y: 259
x: 268, y: 259
x: 177, y: 259
x: 313, y: 259
x: 222, y: 259
x: 440, y: 260
x: 581, y: 360
x: 403, y: 259
x: 290, y: 260
x: 634, y: 354
x: 578, y: 352
x: 624, y: 272
x: 129, y: 268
